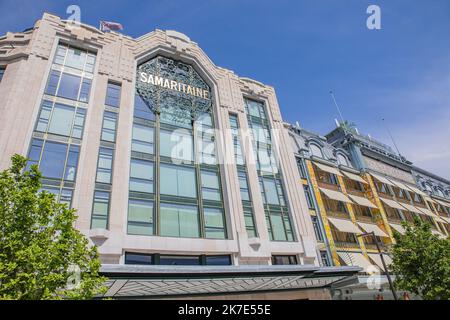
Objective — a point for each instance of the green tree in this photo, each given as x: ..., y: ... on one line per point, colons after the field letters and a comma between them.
x: 421, y: 262
x: 40, y: 250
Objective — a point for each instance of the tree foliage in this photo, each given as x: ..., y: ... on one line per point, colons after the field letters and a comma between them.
x: 421, y: 262
x: 40, y: 250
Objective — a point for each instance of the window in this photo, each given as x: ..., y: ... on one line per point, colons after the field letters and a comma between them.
x: 326, y: 177
x: 143, y: 139
x: 141, y: 176
x: 104, y: 166
x: 309, y: 198
x: 176, y: 144
x: 255, y: 109
x: 140, y: 217
x: 61, y: 119
x: 141, y: 110
x: 70, y: 86
x: 218, y: 260
x: 238, y: 155
x: 109, y: 126
x: 206, y: 147
x: 58, y: 161
x: 301, y: 168
x: 272, y: 192
x: 243, y: 185
x: 179, y: 220
x: 324, y: 259
x: 138, y: 258
x: 75, y: 58
x: 177, y: 181
x: 316, y: 150
x: 163, y: 259
x: 280, y: 260
x: 210, y: 185
x: 335, y: 206
x: 179, y: 260
x: 113, y: 95
x: 317, y: 231
x: 53, y: 160
x: 62, y: 196
x: 214, y: 223
x: 100, y: 210
x: 342, y: 160
x: 2, y: 72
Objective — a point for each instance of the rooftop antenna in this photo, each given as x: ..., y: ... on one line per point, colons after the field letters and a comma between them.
x: 337, y: 107
x: 390, y: 135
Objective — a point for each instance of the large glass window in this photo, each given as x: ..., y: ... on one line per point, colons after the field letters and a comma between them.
x: 176, y: 145
x: 179, y: 260
x: 53, y: 160
x: 75, y: 58
x: 277, y: 260
x: 143, y: 139
x: 100, y: 210
x: 214, y: 224
x: 177, y: 181
x: 141, y: 176
x: 140, y: 217
x: 113, y: 95
x: 68, y: 86
x: 61, y: 119
x: 109, y: 126
x: 179, y: 220
x: 210, y: 185
x: 104, y: 167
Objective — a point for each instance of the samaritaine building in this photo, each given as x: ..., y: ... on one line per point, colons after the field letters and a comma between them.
x: 169, y: 160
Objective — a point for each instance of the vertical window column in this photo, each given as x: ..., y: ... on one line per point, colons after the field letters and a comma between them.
x: 105, y: 163
x: 246, y: 201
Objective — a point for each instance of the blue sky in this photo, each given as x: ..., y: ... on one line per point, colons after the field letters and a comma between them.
x: 305, y: 48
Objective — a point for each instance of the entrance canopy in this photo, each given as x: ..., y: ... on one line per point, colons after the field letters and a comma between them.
x: 136, y: 281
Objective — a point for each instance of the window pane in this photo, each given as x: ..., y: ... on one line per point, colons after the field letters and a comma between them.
x: 60, y: 54
x: 140, y: 217
x: 69, y: 86
x: 179, y: 220
x: 53, y: 82
x: 75, y: 58
x: 142, y: 139
x: 85, y: 90
x: 100, y: 210
x: 218, y: 260
x: 136, y: 258
x: 53, y: 159
x: 178, y: 181
x: 271, y: 191
x: 179, y: 260
x: 176, y: 144
x: 62, y: 119
x: 44, y: 116
x: 214, y: 223
x: 72, y: 163
x: 104, y: 165
x: 113, y: 95
x: 277, y: 227
x: 210, y: 185
x: 109, y: 127
x: 141, y: 176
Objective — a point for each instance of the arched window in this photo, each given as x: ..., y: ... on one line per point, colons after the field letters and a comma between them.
x: 428, y: 187
x: 315, y: 150
x: 440, y: 193
x: 342, y: 160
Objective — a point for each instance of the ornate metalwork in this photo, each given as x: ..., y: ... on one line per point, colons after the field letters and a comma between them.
x: 175, y: 105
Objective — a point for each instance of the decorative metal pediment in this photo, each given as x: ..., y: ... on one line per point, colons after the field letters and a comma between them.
x: 173, y: 88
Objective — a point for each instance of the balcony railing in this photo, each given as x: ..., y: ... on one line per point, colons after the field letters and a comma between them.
x: 364, y: 218
x: 347, y: 245
x: 341, y: 215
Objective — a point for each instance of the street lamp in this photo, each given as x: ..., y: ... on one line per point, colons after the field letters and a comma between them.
x: 382, y: 261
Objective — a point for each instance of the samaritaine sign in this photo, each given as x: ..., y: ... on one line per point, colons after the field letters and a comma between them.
x: 173, y: 85
x: 169, y: 85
